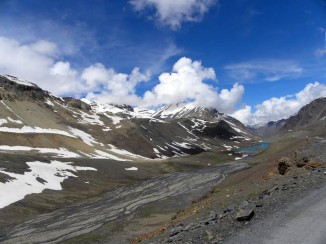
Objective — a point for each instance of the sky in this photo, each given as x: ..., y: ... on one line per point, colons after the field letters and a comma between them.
x: 256, y: 60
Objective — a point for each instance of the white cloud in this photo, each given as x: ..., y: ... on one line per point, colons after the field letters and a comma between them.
x: 37, y: 62
x: 266, y: 70
x: 282, y: 107
x: 106, y: 85
x: 174, y: 12
x: 186, y: 83
x: 62, y: 69
x: 45, y: 47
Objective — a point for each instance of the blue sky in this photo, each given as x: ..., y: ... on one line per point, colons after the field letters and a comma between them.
x: 233, y: 55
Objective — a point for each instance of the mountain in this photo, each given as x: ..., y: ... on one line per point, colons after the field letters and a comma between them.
x: 269, y: 128
x: 313, y: 114
x: 35, y: 121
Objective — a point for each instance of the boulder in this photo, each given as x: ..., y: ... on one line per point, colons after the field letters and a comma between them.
x: 283, y: 165
x: 245, y: 214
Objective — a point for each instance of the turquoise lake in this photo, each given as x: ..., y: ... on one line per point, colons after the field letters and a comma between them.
x: 254, y: 148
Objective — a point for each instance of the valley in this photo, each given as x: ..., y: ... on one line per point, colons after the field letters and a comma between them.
x: 76, y: 171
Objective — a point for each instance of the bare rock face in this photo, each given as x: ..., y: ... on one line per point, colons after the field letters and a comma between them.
x: 284, y: 165
x: 76, y: 103
x: 15, y: 89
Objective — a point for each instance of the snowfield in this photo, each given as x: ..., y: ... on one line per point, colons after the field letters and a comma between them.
x: 41, y: 176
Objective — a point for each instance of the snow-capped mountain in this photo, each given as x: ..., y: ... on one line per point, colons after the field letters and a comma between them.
x: 180, y: 110
x: 35, y: 121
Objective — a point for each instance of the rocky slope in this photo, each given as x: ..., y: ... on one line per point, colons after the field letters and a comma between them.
x: 250, y: 206
x: 312, y: 114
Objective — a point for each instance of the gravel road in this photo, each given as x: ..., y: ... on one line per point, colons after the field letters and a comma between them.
x: 83, y: 218
x: 301, y: 222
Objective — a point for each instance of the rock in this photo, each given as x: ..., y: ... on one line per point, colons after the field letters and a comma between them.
x: 305, y: 159
x: 245, y: 214
x: 244, y: 203
x: 275, y: 188
x: 284, y: 188
x: 188, y: 227
x: 196, y: 226
x: 283, y: 165
x: 209, y: 235
x: 176, y: 231
x: 259, y: 205
x: 212, y: 216
x: 303, y: 162
x: 228, y: 210
x: 76, y: 103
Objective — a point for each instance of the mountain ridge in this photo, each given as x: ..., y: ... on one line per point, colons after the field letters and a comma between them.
x: 118, y: 132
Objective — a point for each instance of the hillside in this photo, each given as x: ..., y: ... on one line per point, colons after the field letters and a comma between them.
x: 312, y: 114
x: 68, y: 127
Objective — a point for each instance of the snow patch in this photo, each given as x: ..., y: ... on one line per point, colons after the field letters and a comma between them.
x: 105, y: 155
x: 3, y: 121
x: 48, y: 102
x: 132, y: 169
x: 125, y: 152
x: 51, y: 176
x: 16, y: 121
x: 61, y: 152
x: 87, y: 138
x: 18, y: 81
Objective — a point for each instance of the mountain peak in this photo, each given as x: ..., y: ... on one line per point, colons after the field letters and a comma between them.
x: 17, y: 89
x: 188, y: 110
x: 18, y: 81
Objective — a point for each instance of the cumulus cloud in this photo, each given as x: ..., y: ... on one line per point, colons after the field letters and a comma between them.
x: 174, y: 12
x: 189, y: 81
x: 37, y: 62
x: 267, y: 70
x: 62, y: 69
x: 280, y: 108
x: 186, y: 83
x: 108, y: 86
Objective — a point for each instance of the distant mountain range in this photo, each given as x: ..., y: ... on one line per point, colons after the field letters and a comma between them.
x: 35, y: 121
x: 269, y: 128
